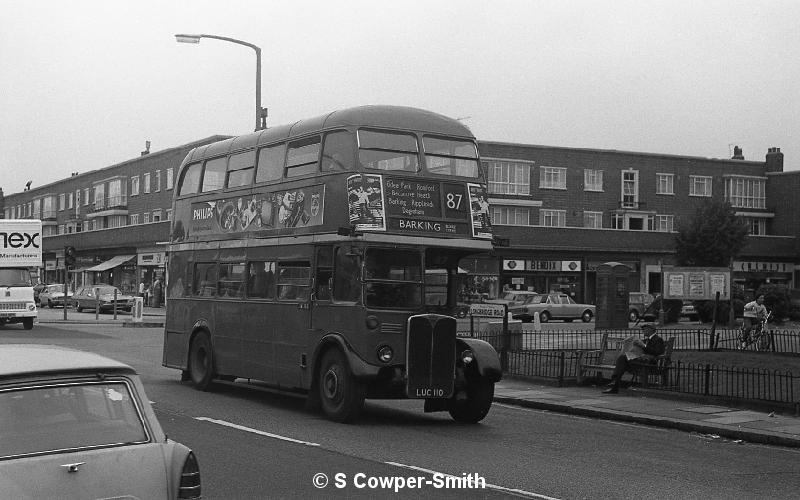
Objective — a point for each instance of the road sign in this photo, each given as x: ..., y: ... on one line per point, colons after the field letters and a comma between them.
x: 487, y: 310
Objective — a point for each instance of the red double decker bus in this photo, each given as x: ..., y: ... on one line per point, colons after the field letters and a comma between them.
x: 322, y: 257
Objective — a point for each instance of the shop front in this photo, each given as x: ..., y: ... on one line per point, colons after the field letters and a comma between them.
x: 752, y: 274
x: 544, y: 276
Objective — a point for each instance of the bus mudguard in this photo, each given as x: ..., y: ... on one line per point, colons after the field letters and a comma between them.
x: 359, y: 367
x: 485, y: 356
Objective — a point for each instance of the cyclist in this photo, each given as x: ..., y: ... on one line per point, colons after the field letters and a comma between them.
x: 754, y: 312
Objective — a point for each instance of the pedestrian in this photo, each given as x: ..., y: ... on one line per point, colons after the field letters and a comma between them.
x: 754, y: 312
x: 141, y: 289
x: 158, y: 292
x: 146, y: 294
x: 636, y: 352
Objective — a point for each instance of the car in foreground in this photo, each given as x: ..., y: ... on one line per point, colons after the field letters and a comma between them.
x: 102, y: 296
x: 552, y: 306
x: 53, y: 296
x: 74, y: 424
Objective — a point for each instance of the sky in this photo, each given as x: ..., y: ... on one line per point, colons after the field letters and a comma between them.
x: 84, y: 84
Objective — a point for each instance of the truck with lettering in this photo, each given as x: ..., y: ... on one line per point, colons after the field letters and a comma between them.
x: 20, y: 250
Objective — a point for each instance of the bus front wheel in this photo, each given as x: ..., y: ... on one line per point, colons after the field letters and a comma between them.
x: 341, y: 395
x: 201, y: 362
x: 475, y: 406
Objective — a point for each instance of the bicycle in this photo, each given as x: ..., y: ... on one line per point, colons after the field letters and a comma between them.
x: 759, y: 335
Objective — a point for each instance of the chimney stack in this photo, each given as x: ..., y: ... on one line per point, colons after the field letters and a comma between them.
x: 146, y: 148
x: 737, y: 153
x: 774, y: 161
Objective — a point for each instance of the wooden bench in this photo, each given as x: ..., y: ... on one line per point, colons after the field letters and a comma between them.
x: 594, y: 363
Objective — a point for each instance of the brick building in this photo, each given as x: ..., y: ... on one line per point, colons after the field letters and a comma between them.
x: 564, y: 211
x: 117, y: 218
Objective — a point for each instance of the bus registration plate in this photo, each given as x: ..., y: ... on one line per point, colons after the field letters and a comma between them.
x: 430, y: 362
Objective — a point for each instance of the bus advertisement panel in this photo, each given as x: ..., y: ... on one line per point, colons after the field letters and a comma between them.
x: 323, y: 257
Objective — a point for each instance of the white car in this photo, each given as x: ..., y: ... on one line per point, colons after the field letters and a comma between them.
x: 552, y: 306
x: 53, y: 296
x: 78, y: 425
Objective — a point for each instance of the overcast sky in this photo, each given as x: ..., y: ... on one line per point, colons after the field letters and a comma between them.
x: 83, y: 84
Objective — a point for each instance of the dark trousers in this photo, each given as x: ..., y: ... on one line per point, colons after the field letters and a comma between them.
x: 621, y: 366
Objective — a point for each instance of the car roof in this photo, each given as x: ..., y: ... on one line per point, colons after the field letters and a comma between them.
x: 18, y: 360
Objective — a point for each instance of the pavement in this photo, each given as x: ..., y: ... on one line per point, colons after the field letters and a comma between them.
x: 759, y: 424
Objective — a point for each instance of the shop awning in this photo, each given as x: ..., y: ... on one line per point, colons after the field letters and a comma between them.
x: 111, y: 263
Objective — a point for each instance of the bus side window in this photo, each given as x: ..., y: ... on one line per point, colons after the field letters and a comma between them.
x: 293, y: 280
x: 214, y: 174
x: 231, y: 280
x: 322, y: 281
x: 261, y: 280
x: 270, y: 163
x: 190, y: 179
x: 240, y: 169
x: 338, y: 151
x: 346, y: 278
x: 303, y: 157
x: 205, y: 279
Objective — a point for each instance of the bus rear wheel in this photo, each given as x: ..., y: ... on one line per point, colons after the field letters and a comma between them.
x: 475, y: 406
x: 201, y: 362
x: 341, y: 395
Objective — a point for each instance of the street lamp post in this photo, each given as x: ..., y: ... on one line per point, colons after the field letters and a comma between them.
x: 260, y: 113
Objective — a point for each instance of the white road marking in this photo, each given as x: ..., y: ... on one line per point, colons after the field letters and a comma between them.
x: 254, y: 431
x: 522, y: 493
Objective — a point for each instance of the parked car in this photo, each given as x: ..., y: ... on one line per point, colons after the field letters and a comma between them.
x: 78, y: 425
x: 53, y: 295
x: 639, y: 307
x: 37, y: 289
x: 552, y: 306
x: 85, y: 298
x: 511, y: 298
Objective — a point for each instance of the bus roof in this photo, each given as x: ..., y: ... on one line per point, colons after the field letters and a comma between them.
x: 379, y: 116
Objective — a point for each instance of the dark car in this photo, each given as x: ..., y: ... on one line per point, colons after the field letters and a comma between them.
x: 102, y: 296
x: 37, y: 289
x: 74, y: 424
x: 640, y: 306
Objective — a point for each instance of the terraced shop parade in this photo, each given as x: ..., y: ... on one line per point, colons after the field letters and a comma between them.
x: 322, y: 257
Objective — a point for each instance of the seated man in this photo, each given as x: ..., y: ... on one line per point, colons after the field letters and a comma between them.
x: 635, y: 352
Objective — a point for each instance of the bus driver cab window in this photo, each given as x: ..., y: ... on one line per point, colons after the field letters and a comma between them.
x: 346, y: 279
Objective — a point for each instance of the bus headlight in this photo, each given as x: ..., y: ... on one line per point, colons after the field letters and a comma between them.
x: 467, y: 356
x: 385, y: 354
x: 31, y: 306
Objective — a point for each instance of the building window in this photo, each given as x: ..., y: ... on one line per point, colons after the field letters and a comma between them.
x: 61, y: 204
x: 157, y: 187
x: 592, y: 180
x: 756, y: 225
x: 134, y: 219
x: 699, y: 185
x: 70, y: 201
x: 745, y: 192
x: 665, y: 183
x: 169, y: 214
x: 146, y: 218
x: 135, y: 185
x: 511, y: 216
x: 593, y: 220
x: 146, y: 181
x: 157, y: 215
x: 552, y: 178
x: 508, y: 177
x: 553, y: 218
x: 86, y: 198
x: 61, y: 229
x: 664, y: 223
x: 630, y: 189
x: 116, y: 221
x: 170, y: 178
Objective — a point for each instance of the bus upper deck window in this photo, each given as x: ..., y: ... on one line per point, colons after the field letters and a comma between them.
x: 214, y: 174
x: 303, y: 157
x: 450, y: 156
x: 240, y: 169
x: 270, y: 163
x: 190, y: 179
x: 388, y: 150
x: 338, y: 151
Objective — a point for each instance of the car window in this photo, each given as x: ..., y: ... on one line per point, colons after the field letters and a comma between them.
x: 74, y: 416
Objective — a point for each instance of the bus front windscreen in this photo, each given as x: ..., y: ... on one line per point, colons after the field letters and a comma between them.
x: 393, y: 278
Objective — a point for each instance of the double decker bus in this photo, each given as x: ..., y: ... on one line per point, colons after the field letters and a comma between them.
x: 322, y: 257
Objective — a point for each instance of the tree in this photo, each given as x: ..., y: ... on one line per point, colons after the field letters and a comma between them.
x: 712, y: 238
